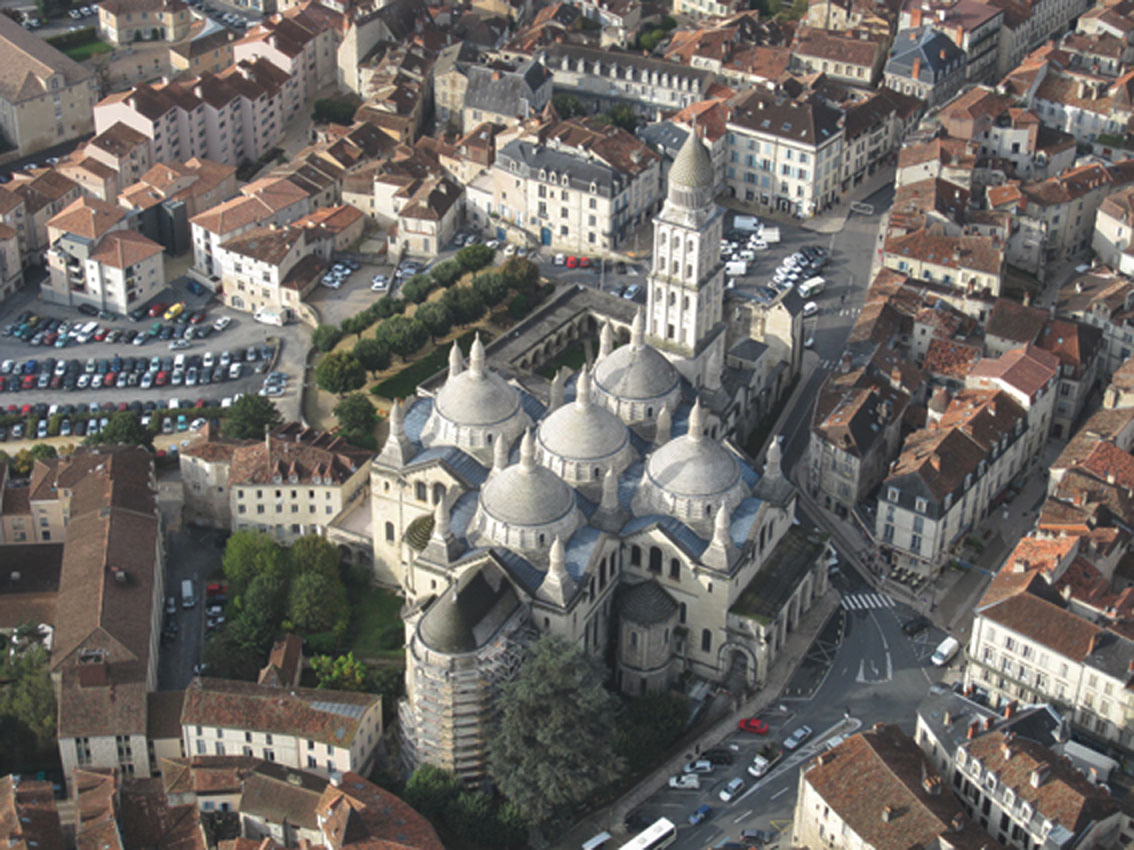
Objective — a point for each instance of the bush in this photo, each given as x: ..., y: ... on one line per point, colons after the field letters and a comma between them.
x: 475, y: 257
x: 335, y: 110
x: 418, y: 287
x: 519, y: 306
x: 465, y: 305
x: 78, y: 38
x: 447, y: 273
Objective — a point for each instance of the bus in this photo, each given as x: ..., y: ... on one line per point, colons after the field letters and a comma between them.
x: 661, y: 833
x: 812, y: 287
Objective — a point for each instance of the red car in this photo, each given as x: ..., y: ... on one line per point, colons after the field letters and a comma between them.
x: 572, y: 262
x: 109, y: 381
x: 26, y: 410
x: 584, y: 262
x: 28, y: 382
x: 158, y: 310
x: 100, y: 334
x: 160, y: 379
x: 754, y: 725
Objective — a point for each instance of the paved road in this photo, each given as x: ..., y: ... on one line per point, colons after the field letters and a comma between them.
x: 872, y: 671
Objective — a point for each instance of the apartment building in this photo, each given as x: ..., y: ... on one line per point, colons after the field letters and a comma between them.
x: 877, y: 789
x: 1114, y: 224
x: 293, y: 482
x: 212, y: 53
x: 104, y: 658
x: 1079, y: 348
x: 1029, y: 24
x: 578, y: 187
x: 429, y: 218
x: 926, y: 64
x: 45, y: 192
x: 451, y: 81
x: 965, y: 263
x: 603, y: 79
x: 45, y: 97
x: 855, y: 58
x: 299, y: 42
x: 505, y: 96
x: 267, y: 201
x: 973, y: 26
x: 127, y: 21
x: 269, y: 268
x: 166, y: 197
x: 873, y: 131
x: 97, y: 258
x: 229, y: 118
x: 325, y: 731
x: 1030, y: 376
x: 1104, y: 299
x: 946, y: 477
x: 109, y: 162
x: 1076, y: 101
x: 784, y: 154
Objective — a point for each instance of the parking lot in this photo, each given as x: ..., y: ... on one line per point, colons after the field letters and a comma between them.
x: 112, y: 374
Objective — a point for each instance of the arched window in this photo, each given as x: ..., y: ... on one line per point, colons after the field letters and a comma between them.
x: 649, y: 413
x: 706, y: 640
x: 675, y: 569
x: 541, y: 540
x: 676, y: 267
x: 672, y: 298
x: 689, y: 271
x: 598, y: 473
x: 387, y: 486
x: 663, y: 239
x: 389, y: 532
x: 421, y: 491
x: 692, y: 245
x: 634, y: 640
x: 635, y: 556
x: 655, y: 559
x: 665, y: 637
x: 681, y: 613
x: 438, y: 492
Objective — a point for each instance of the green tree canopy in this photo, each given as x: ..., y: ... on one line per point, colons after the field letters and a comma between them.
x: 318, y: 603
x: 430, y: 790
x: 491, y: 287
x: 464, y: 303
x: 621, y: 115
x: 326, y: 337
x: 341, y: 673
x: 250, y: 415
x: 124, y: 429
x: 339, y: 373
x: 436, y: 317
x: 373, y: 354
x: 227, y: 658
x: 446, y: 272
x: 403, y: 334
x: 356, y: 414
x: 338, y: 110
x: 314, y: 554
x: 248, y: 554
x: 473, y: 257
x: 568, y: 106
x: 555, y: 743
x: 27, y: 709
x: 520, y: 273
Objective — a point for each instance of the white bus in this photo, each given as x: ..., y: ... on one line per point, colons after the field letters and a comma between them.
x: 661, y: 833
x: 812, y: 287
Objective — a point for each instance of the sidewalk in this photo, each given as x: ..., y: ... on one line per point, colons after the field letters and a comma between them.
x: 611, y: 818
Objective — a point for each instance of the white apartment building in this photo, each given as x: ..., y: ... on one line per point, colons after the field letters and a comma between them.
x: 270, y: 268
x: 784, y: 155
x: 1030, y: 376
x: 231, y: 117
x: 321, y: 730
x: 299, y: 44
x: 946, y: 477
x: 1104, y: 299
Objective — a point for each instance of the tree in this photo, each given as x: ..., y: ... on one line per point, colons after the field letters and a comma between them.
x: 373, y: 354
x: 314, y: 554
x: 430, y: 790
x: 520, y: 274
x: 447, y: 272
x: 318, y: 603
x: 568, y: 106
x: 337, y: 110
x: 555, y: 743
x: 356, y: 414
x: 474, y: 257
x: 470, y: 815
x: 651, y: 723
x: 403, y: 334
x: 519, y: 306
x: 621, y: 115
x: 227, y: 658
x: 464, y: 303
x: 249, y: 554
x: 491, y: 287
x: 342, y: 673
x: 339, y: 373
x: 125, y: 428
x: 250, y: 415
x: 27, y: 709
x: 326, y: 337
x: 436, y: 317
x: 418, y: 287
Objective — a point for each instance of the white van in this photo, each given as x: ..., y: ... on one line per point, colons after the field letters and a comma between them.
x: 747, y: 223
x: 747, y: 254
x: 812, y: 287
x: 945, y: 652
x: 736, y: 268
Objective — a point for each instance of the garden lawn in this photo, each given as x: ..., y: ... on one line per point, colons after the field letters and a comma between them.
x: 404, y: 383
x: 83, y: 52
x: 376, y: 629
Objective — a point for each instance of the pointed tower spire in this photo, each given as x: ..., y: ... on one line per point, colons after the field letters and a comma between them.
x: 527, y: 451
x: 638, y: 329
x: 772, y: 469
x: 398, y: 449
x: 555, y: 400
x: 558, y: 586
x: 609, y: 491
x: 456, y: 362
x: 443, y: 546
x: 606, y: 340
x: 696, y: 421
x: 721, y: 549
x: 476, y: 358
x: 665, y: 426
x: 583, y: 389
x: 499, y: 453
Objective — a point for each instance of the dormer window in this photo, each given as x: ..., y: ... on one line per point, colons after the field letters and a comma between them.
x: 594, y: 188
x: 543, y: 174
x: 564, y: 180
x: 276, y: 479
x: 293, y: 478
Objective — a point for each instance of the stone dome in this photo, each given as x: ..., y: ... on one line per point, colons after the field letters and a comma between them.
x: 693, y: 166
x: 690, y: 477
x: 636, y: 380
x: 582, y: 430
x: 525, y: 505
x: 474, y: 408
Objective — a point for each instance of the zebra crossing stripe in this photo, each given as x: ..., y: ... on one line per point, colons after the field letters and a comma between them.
x: 867, y: 601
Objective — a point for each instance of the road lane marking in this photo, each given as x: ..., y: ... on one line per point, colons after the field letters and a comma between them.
x: 780, y: 793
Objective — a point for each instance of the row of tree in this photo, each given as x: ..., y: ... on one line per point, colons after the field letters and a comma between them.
x: 27, y: 710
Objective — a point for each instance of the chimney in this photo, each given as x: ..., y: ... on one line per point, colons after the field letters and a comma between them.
x: 974, y: 728
x: 958, y: 822
x: 970, y: 689
x: 988, y: 721
x: 948, y: 718
x: 1039, y: 774
x: 915, y: 18
x: 916, y: 66
x: 931, y: 785
x: 887, y: 814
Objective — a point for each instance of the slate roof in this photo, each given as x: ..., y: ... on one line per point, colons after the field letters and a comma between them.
x: 931, y: 50
x: 506, y: 92
x: 809, y: 120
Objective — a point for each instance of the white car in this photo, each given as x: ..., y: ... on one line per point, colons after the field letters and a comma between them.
x: 379, y: 283
x: 732, y: 790
x: 685, y: 782
x: 235, y: 370
x: 560, y: 259
x: 209, y: 360
x: 332, y: 281
x: 796, y: 738
x: 759, y: 766
x: 510, y: 251
x: 810, y: 309
x: 221, y: 323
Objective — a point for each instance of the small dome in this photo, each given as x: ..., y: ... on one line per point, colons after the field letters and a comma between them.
x: 636, y: 371
x: 450, y: 625
x: 582, y: 430
x: 693, y: 166
x: 477, y: 396
x: 526, y: 493
x: 647, y: 604
x: 693, y: 467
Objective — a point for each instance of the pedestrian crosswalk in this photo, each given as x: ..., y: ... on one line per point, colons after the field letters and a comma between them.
x: 829, y: 364
x: 866, y: 601
x: 850, y: 311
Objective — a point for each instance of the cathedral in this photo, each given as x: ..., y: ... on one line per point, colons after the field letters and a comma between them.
x: 611, y: 511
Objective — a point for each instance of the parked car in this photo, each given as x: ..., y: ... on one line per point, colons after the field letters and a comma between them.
x: 700, y: 814
x: 759, y: 766
x: 754, y: 725
x: 731, y: 791
x: 796, y: 738
x: 685, y: 782
x: 699, y: 766
x: 915, y: 626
